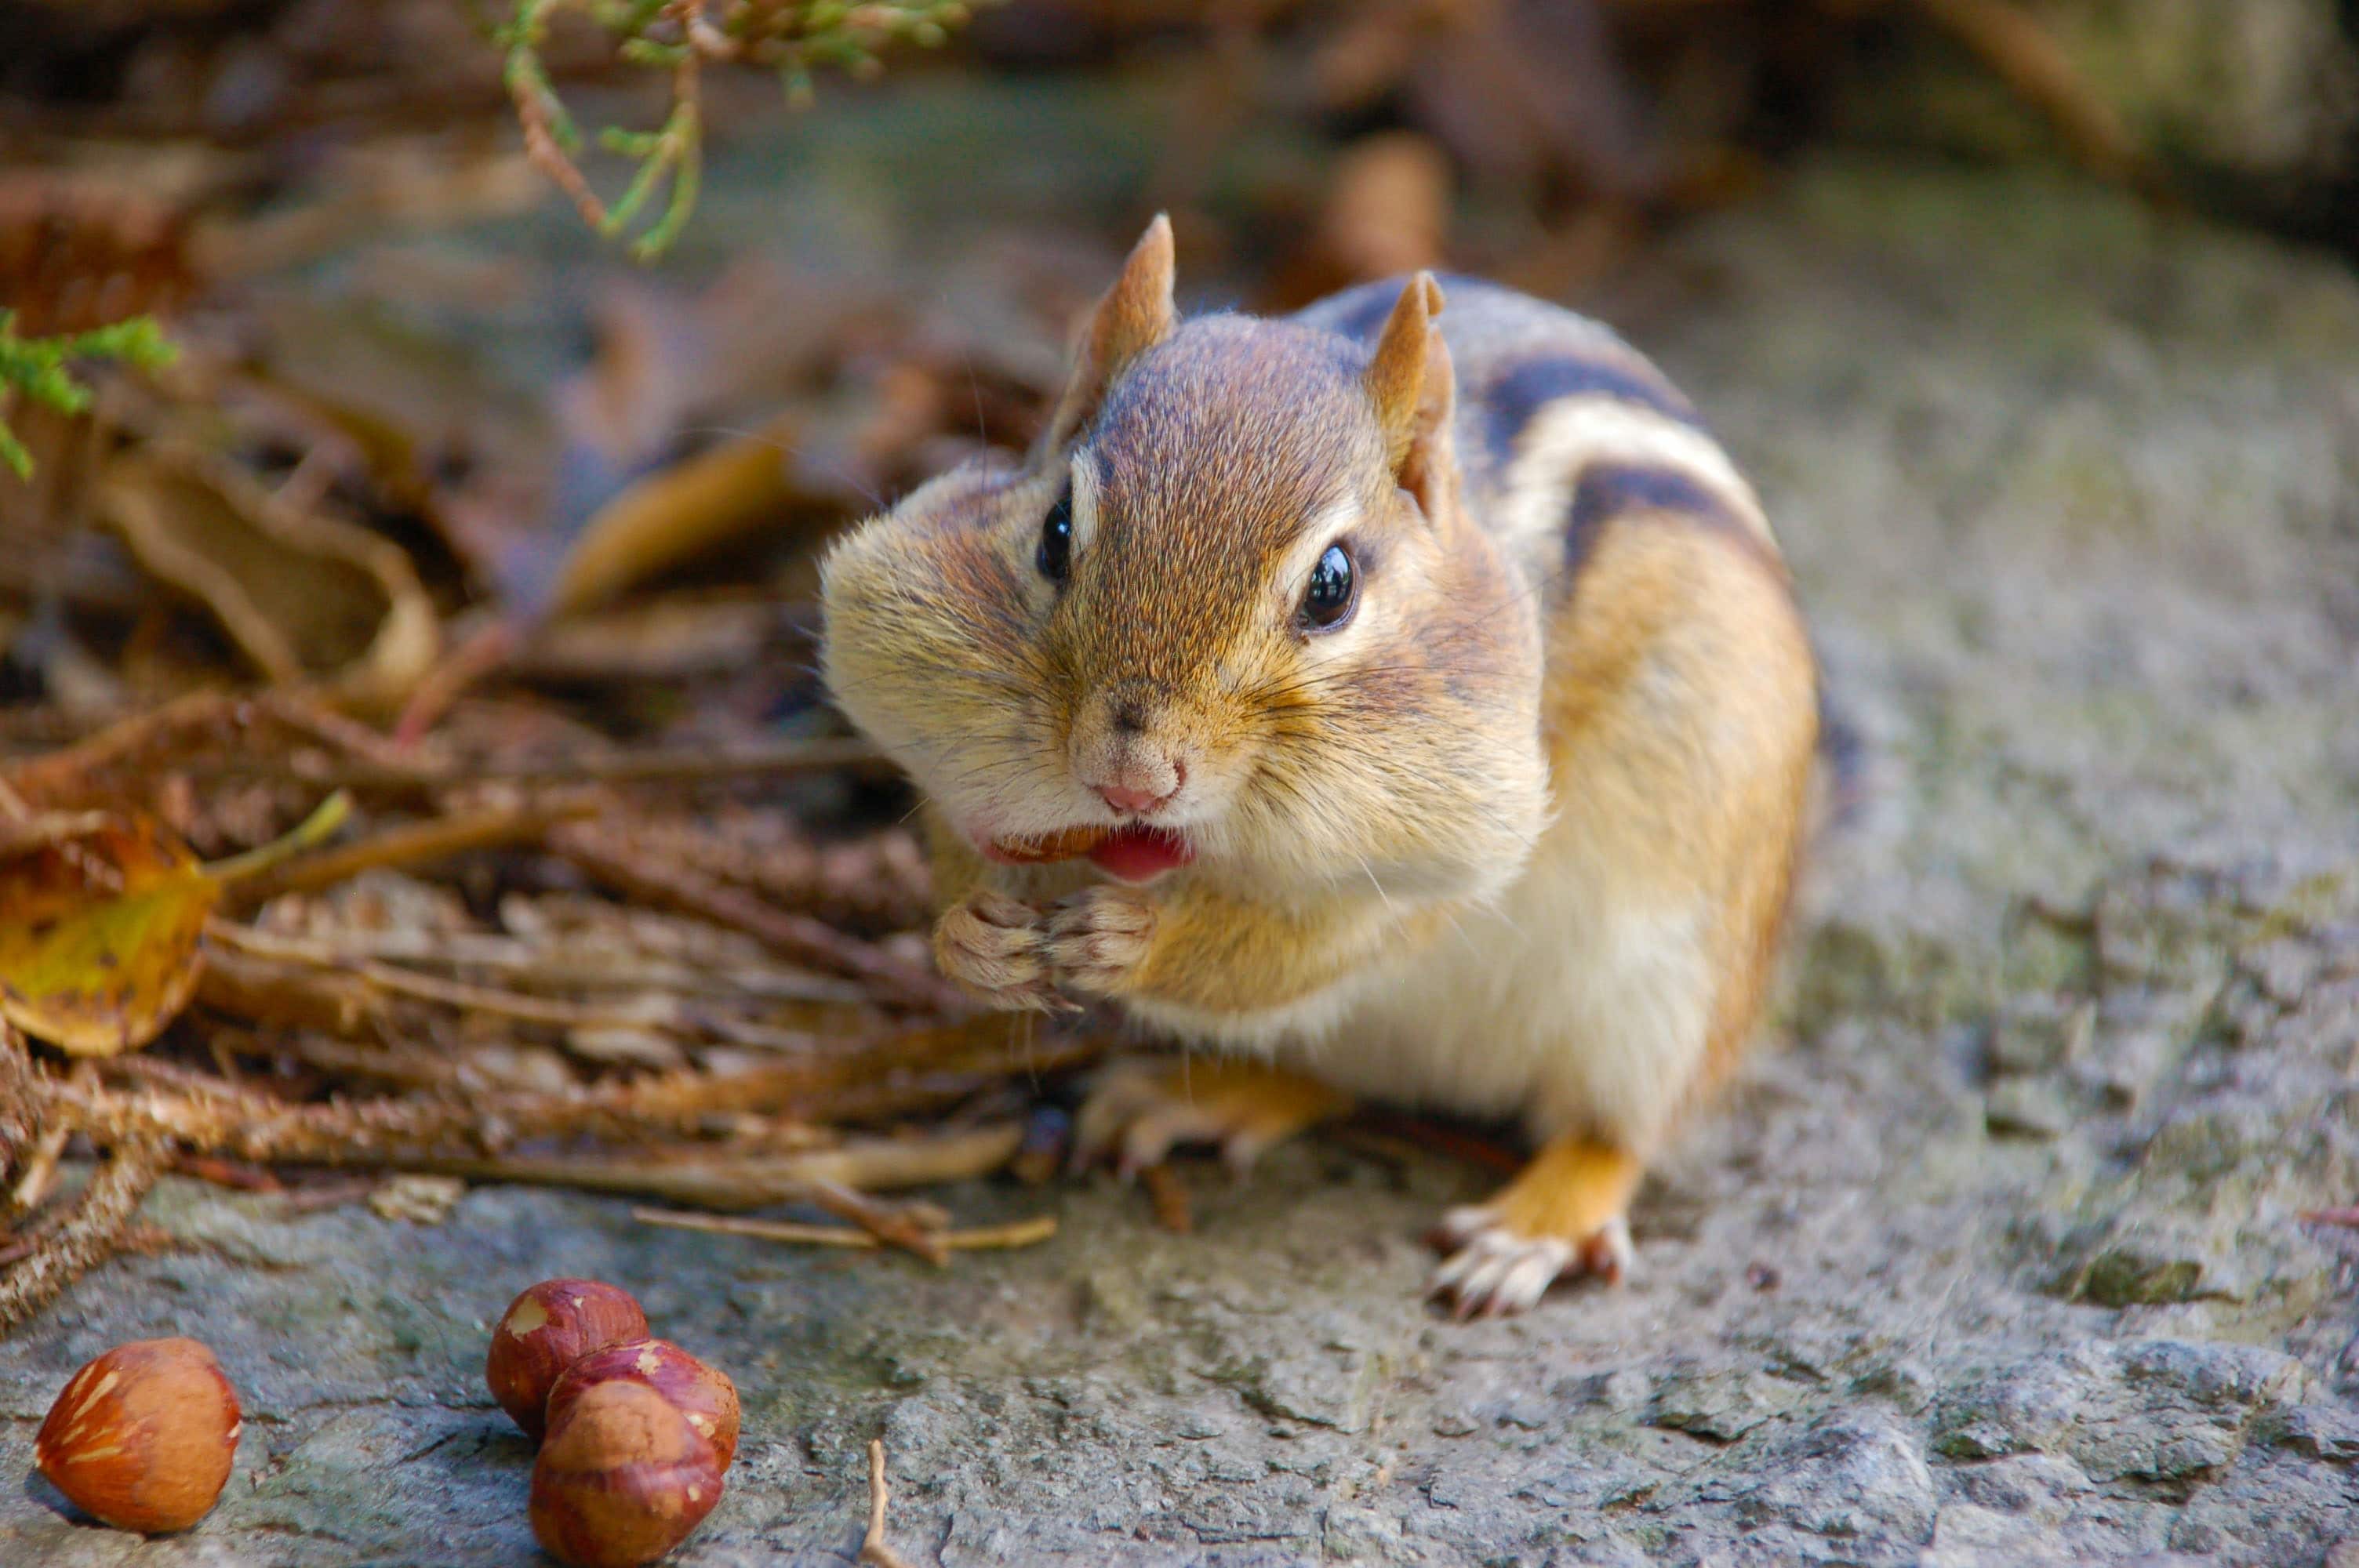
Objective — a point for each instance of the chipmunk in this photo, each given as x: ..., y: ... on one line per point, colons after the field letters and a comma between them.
x: 1412, y: 703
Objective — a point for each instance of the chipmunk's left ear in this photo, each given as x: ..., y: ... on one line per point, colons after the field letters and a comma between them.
x: 1410, y: 381
x: 1135, y: 315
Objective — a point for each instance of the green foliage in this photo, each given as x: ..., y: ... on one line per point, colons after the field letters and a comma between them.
x: 37, y: 367
x: 791, y: 39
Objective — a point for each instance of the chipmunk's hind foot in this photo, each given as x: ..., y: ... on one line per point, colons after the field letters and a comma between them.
x: 1565, y: 1213
x: 1140, y: 1109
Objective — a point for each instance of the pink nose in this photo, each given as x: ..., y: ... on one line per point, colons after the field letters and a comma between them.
x: 1138, y: 800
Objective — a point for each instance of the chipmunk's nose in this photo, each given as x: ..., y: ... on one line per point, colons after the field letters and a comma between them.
x: 1126, y: 752
x: 1140, y: 789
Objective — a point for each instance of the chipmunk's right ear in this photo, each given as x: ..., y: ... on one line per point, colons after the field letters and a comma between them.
x: 1135, y: 315
x: 1411, y: 383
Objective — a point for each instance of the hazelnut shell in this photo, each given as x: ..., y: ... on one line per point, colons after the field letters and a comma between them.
x: 702, y: 1393
x: 143, y: 1437
x: 1066, y: 844
x: 546, y: 1330
x: 622, y: 1478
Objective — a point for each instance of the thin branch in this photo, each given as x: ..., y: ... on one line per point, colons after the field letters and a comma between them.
x: 724, y: 1179
x: 20, y: 1114
x: 193, y: 729
x: 38, y: 1175
x: 2021, y: 51
x: 785, y: 758
x: 611, y: 858
x: 206, y: 1116
x: 1169, y: 1199
x: 977, y: 1238
x: 873, y: 1549
x: 416, y: 843
x: 88, y: 1236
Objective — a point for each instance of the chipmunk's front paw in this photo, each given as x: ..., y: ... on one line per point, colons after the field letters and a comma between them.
x: 1098, y: 938
x: 996, y: 948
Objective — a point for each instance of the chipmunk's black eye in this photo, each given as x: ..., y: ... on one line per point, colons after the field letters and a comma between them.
x: 1334, y: 588
x: 1055, y: 558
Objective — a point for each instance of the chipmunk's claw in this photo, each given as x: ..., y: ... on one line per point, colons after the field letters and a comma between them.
x: 1098, y: 938
x: 997, y: 949
x: 1139, y: 1110
x: 1494, y: 1271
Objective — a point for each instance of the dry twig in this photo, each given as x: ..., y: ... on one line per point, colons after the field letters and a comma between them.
x: 419, y: 776
x: 416, y: 843
x: 1169, y: 1196
x: 725, y: 1179
x: 87, y: 1235
x: 873, y: 1549
x: 2022, y: 53
x: 206, y: 1115
x: 977, y: 1238
x: 203, y: 723
x: 609, y: 856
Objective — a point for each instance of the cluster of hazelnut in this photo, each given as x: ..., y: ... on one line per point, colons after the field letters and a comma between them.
x: 635, y: 1432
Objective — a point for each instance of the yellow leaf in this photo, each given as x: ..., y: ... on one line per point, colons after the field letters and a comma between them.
x: 99, y: 923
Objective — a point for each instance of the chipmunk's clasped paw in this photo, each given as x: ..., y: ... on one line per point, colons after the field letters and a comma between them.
x: 1018, y: 957
x: 1563, y: 1212
x: 1139, y: 1110
x: 996, y: 948
x: 1098, y: 938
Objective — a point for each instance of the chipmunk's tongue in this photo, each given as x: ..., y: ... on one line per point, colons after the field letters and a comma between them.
x: 1135, y: 854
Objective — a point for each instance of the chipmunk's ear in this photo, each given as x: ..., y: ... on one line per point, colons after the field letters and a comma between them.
x: 1135, y: 315
x: 1410, y: 381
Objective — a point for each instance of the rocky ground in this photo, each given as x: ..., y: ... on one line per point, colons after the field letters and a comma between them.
x: 1996, y: 1256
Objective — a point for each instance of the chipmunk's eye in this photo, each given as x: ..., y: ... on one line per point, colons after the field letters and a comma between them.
x: 1055, y: 557
x: 1334, y: 588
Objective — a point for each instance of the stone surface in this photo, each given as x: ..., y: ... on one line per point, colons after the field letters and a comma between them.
x: 2072, y: 494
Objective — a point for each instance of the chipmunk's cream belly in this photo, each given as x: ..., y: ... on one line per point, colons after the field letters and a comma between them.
x: 1576, y: 1001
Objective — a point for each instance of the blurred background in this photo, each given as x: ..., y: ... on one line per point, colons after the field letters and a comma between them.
x: 420, y: 386
x: 423, y: 415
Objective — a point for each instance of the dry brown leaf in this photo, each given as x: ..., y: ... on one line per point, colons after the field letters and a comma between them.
x: 419, y: 1199
x: 305, y: 596
x: 99, y: 924
x: 76, y: 253
x: 673, y: 515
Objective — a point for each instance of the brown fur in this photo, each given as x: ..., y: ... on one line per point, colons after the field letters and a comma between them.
x: 1592, y: 706
x: 1667, y: 595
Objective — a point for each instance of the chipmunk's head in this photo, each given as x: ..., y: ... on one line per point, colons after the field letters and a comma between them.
x: 1230, y: 613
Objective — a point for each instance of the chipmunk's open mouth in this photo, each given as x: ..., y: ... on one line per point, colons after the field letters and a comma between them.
x: 1134, y: 853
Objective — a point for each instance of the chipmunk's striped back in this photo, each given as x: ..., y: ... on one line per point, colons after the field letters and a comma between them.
x: 1561, y: 427
x: 1678, y: 719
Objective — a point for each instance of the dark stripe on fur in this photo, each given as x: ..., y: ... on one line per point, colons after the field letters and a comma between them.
x: 1371, y: 303
x: 1517, y: 394
x: 1842, y: 752
x: 1368, y: 313
x: 1607, y: 491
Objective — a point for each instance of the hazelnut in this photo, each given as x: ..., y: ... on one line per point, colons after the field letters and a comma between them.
x: 704, y: 1394
x: 622, y: 1478
x: 1067, y: 844
x: 546, y: 1330
x: 142, y: 1438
